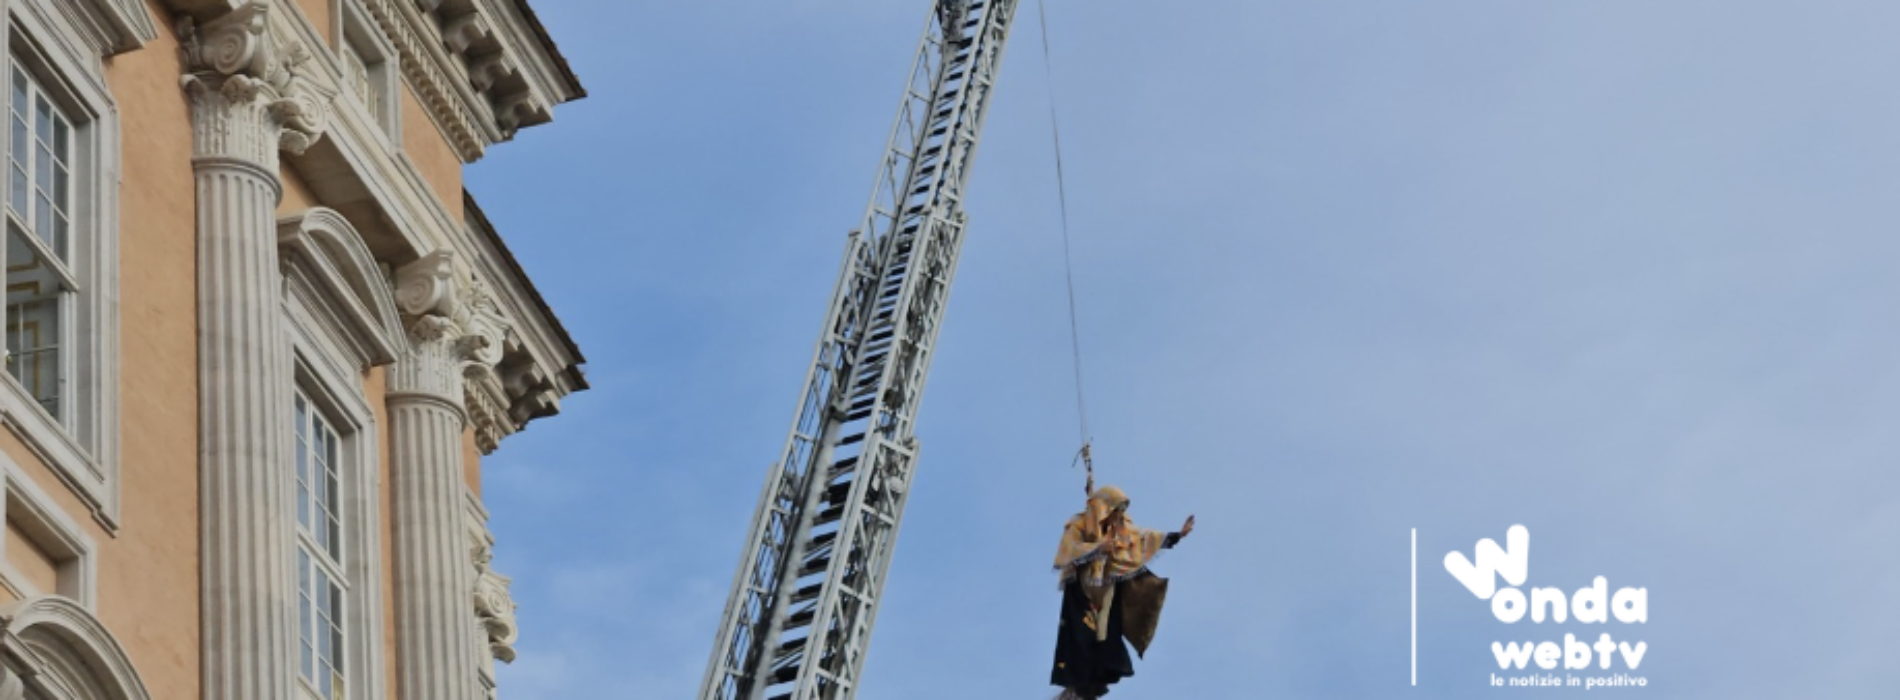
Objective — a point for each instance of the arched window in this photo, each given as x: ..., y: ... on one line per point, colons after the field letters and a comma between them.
x: 342, y: 321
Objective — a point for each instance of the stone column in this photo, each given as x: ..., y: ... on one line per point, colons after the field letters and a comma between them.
x: 246, y: 104
x: 436, y: 634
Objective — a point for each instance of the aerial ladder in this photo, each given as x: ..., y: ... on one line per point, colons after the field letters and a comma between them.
x: 809, y: 585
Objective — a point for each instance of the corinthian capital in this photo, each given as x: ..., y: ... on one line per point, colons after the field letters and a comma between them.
x: 433, y: 289
x: 249, y: 97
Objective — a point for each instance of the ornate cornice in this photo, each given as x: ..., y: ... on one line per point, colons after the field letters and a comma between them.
x: 248, y: 95
x: 434, y: 85
x: 464, y: 61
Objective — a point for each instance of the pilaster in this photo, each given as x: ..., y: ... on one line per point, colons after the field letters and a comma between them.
x: 438, y: 647
x: 246, y: 103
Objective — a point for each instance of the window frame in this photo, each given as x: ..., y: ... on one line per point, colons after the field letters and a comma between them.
x: 322, y: 376
x: 57, y: 259
x: 82, y: 445
x: 50, y: 529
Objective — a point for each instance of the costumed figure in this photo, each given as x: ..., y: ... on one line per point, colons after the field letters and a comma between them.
x: 1108, y: 594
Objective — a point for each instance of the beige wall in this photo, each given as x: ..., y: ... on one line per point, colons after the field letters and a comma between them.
x: 429, y: 150
x: 148, y: 574
x: 297, y: 194
x: 321, y: 15
x: 471, y: 462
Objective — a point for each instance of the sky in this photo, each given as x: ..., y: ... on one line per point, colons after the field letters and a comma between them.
x: 1618, y: 271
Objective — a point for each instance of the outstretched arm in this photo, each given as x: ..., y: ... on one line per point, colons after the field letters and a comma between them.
x: 1175, y: 538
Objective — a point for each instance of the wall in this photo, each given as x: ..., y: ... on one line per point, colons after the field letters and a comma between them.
x: 430, y: 152
x: 149, y: 573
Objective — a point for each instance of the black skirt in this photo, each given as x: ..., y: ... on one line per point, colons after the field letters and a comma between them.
x: 1083, y: 664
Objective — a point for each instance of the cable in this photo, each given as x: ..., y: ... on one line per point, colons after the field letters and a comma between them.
x: 1068, y: 265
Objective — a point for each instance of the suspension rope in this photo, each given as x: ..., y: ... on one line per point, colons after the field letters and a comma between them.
x: 1068, y: 265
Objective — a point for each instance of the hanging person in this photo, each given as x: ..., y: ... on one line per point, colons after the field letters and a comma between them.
x: 1108, y: 594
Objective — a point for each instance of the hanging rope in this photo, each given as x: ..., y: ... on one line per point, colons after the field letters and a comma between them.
x: 1068, y: 266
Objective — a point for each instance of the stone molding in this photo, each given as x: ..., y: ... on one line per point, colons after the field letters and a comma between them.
x: 53, y: 642
x: 114, y: 26
x: 320, y: 252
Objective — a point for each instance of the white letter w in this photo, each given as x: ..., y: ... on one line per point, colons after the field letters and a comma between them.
x: 1513, y: 563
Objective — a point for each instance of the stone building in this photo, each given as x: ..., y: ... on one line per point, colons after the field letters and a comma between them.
x: 257, y: 340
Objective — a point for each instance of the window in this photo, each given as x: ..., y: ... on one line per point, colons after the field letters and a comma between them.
x: 321, y: 582
x: 38, y: 252
x: 368, y: 61
x: 59, y: 218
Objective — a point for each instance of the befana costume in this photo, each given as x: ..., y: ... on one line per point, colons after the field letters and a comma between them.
x: 1108, y: 595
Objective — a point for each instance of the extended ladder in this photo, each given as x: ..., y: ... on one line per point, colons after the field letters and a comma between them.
x: 802, y: 605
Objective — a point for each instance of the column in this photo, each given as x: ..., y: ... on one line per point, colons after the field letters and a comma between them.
x: 245, y: 106
x: 436, y: 634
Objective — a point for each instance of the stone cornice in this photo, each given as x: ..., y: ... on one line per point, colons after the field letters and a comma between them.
x: 464, y: 59
x: 540, y: 364
x: 444, y: 94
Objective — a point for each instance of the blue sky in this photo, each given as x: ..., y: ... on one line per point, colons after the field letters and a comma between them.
x: 1620, y: 271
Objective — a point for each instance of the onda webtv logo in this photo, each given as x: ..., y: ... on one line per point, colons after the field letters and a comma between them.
x: 1589, y: 605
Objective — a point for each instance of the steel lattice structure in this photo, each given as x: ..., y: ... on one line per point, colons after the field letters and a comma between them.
x: 799, y: 617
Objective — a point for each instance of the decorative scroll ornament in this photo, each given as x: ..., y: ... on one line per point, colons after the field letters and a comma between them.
x: 249, y: 94
x: 494, y: 606
x: 427, y: 286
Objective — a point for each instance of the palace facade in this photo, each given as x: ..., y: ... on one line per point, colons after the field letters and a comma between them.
x: 258, y: 338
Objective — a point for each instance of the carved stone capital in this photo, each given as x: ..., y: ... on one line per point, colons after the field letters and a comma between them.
x: 457, y: 332
x: 248, y: 97
x: 443, y: 300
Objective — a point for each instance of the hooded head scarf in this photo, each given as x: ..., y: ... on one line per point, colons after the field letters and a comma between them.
x: 1127, y: 553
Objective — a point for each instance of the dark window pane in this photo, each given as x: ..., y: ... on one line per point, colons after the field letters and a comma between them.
x: 19, y: 90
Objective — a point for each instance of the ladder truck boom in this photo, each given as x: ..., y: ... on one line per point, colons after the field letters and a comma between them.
x: 799, y: 616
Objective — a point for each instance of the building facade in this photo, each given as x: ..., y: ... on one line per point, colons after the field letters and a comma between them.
x: 258, y: 338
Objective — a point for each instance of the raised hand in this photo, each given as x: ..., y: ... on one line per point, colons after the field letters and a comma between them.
x: 1187, y: 527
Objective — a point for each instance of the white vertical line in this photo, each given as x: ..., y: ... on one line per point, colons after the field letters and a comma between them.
x: 1415, y: 607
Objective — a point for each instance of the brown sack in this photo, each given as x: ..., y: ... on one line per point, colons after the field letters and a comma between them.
x: 1141, y: 600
